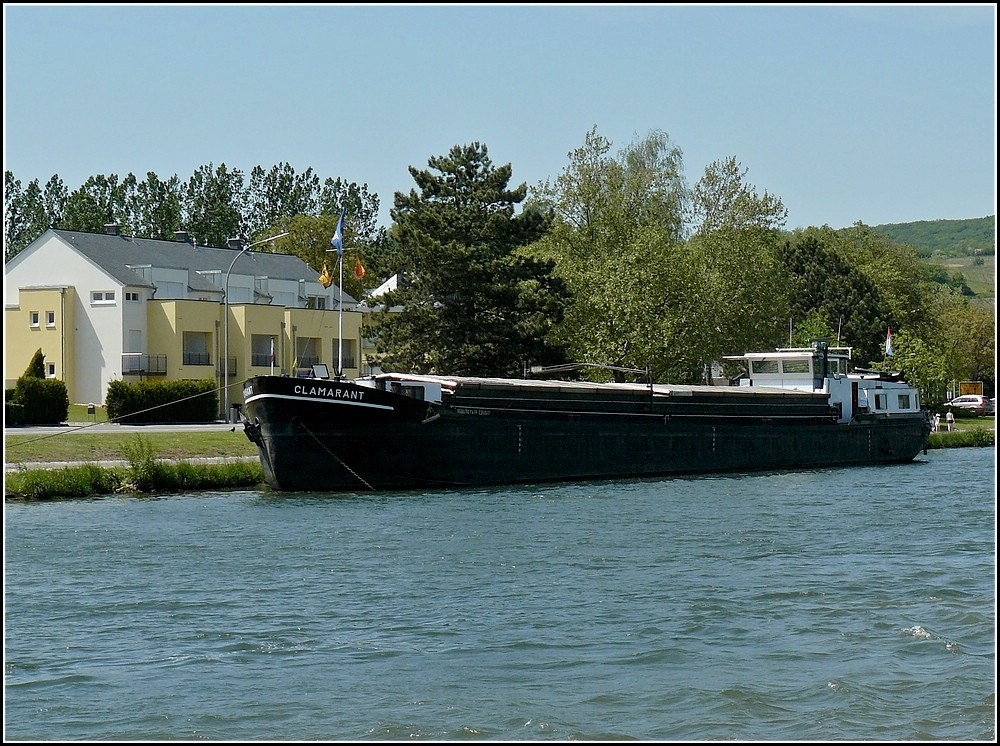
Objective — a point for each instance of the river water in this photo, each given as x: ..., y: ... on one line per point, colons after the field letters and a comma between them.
x: 835, y: 604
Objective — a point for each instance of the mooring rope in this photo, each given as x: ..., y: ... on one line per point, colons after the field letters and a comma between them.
x: 339, y: 460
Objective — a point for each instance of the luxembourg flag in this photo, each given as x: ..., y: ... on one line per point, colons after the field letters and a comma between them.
x: 338, y: 234
x: 888, y: 342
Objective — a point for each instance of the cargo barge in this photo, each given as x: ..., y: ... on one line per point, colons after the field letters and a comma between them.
x: 794, y: 408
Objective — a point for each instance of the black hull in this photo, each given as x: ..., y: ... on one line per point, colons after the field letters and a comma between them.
x: 327, y: 441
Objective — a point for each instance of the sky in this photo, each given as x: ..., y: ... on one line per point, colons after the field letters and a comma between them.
x: 871, y: 113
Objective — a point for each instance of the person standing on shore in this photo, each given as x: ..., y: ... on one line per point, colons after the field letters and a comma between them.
x: 950, y: 420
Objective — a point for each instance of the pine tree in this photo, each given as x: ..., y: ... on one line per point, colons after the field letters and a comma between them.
x: 471, y: 303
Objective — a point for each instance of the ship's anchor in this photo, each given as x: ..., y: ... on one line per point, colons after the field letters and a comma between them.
x: 339, y: 460
x: 252, y: 431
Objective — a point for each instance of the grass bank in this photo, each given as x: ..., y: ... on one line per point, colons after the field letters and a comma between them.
x: 144, y: 470
x: 141, y: 477
x: 972, y: 437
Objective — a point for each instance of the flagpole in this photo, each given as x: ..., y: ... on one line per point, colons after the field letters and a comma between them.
x: 338, y: 246
x: 340, y: 332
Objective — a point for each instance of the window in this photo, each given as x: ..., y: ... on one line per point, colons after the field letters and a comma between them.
x: 261, y: 348
x: 795, y: 366
x: 213, y: 276
x: 307, y: 351
x: 143, y: 270
x: 414, y: 392
x: 52, y: 370
x: 131, y: 297
x: 102, y: 297
x: 196, y: 348
x: 879, y: 401
x: 350, y: 353
x: 763, y: 366
x: 33, y: 318
x: 316, y: 302
x: 50, y: 318
x: 904, y: 401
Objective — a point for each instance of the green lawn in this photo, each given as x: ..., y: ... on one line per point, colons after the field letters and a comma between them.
x: 81, y: 413
x: 104, y: 446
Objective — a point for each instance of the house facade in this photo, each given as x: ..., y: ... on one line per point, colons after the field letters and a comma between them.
x: 105, y: 307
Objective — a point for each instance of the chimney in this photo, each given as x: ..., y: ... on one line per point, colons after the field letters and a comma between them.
x: 181, y: 236
x: 112, y: 229
x: 235, y: 243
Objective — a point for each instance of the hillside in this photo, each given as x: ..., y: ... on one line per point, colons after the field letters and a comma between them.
x: 972, y: 237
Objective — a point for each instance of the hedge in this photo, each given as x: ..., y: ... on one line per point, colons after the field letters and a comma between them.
x: 36, y: 401
x: 160, y: 402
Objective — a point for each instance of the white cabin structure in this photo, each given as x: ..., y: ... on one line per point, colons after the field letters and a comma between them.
x: 823, y: 369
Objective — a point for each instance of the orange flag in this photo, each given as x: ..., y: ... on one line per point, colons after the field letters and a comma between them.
x: 359, y: 268
x: 326, y: 279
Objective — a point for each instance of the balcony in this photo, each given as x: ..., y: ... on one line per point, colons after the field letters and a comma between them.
x: 139, y: 364
x: 197, y: 358
x: 232, y: 369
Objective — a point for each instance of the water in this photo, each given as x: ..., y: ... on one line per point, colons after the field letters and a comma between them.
x: 840, y: 604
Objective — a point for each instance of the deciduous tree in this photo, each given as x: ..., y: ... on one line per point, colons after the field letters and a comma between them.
x: 616, y: 241
x: 213, y: 205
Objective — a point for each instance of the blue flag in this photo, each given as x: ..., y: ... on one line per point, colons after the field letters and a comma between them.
x: 338, y: 235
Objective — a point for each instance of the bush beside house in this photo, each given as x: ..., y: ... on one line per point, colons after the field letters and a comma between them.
x: 35, y: 399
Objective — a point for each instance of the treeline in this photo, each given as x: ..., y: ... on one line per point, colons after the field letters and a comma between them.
x: 212, y: 206
x: 972, y: 237
x: 215, y: 204
x: 617, y: 260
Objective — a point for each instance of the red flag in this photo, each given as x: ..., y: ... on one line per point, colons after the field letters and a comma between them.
x: 359, y: 268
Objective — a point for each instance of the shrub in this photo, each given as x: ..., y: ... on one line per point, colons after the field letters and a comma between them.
x: 39, y: 401
x: 162, y: 401
x: 13, y: 412
x: 36, y: 368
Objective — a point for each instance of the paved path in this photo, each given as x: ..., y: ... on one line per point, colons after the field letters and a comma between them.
x: 114, y: 427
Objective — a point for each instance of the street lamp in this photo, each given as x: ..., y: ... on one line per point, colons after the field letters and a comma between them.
x: 225, y: 361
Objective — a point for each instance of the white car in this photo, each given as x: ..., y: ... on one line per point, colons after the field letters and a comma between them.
x: 972, y: 404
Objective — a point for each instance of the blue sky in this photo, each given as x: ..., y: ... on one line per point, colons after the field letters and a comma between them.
x: 883, y: 114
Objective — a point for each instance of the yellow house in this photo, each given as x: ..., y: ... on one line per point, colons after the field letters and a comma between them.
x: 105, y: 307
